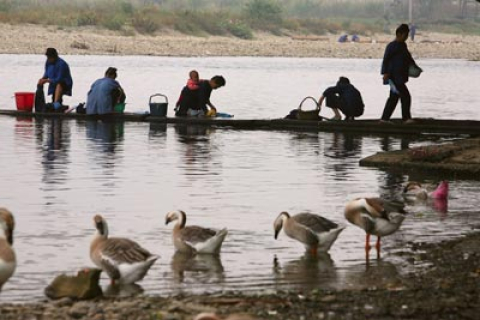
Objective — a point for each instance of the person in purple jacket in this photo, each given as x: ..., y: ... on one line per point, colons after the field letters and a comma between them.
x: 57, y: 75
x: 396, y: 62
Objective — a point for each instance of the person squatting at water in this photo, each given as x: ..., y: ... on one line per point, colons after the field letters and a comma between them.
x: 194, y: 102
x: 396, y: 62
x: 344, y: 97
x: 105, y: 93
x: 57, y: 75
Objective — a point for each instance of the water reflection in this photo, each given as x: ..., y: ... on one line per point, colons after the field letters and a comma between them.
x: 53, y: 138
x: 202, y: 268
x: 108, y: 132
x: 342, y: 145
x: 308, y: 271
x: 196, y: 148
x: 157, y: 130
x: 373, y: 274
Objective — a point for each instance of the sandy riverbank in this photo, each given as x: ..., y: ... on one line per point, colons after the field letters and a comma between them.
x: 33, y: 39
x: 446, y: 287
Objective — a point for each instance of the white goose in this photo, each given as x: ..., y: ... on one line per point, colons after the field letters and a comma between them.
x: 124, y: 260
x: 376, y: 216
x: 315, y: 232
x: 8, y: 262
x: 194, y: 239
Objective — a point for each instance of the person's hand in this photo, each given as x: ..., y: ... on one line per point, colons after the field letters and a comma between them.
x: 42, y: 81
x: 386, y: 76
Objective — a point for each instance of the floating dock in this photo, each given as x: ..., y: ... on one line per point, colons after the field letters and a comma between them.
x: 421, y: 126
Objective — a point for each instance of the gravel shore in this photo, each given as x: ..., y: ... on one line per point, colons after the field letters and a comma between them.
x: 33, y: 39
x: 447, y: 286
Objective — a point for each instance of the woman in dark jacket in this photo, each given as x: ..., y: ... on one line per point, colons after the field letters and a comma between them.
x: 344, y: 97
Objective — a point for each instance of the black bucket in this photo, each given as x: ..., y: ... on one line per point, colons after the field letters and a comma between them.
x: 158, y: 109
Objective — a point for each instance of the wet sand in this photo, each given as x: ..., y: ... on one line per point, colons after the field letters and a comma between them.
x: 444, y: 285
x: 33, y: 39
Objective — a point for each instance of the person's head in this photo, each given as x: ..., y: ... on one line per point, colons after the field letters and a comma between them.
x: 111, y: 73
x: 402, y: 32
x: 51, y: 54
x: 194, y: 75
x: 343, y: 81
x: 217, y: 82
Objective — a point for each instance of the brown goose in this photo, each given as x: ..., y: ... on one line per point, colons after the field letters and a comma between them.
x: 8, y: 262
x: 315, y: 232
x: 124, y: 260
x: 194, y: 239
x: 376, y: 216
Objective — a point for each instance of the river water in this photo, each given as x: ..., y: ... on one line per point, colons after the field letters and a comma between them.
x: 56, y: 175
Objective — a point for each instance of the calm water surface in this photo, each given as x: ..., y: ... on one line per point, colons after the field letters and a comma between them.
x: 57, y: 174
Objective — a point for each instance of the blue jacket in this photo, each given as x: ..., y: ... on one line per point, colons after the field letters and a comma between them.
x: 58, y: 72
x: 99, y: 98
x: 350, y: 99
x: 396, y: 61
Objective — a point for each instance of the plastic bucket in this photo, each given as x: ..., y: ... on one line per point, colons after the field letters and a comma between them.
x: 119, y: 107
x: 158, y: 109
x: 24, y: 101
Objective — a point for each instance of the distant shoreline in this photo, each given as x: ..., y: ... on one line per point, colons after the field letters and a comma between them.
x: 33, y: 39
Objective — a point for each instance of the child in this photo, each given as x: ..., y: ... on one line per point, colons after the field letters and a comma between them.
x: 193, y: 81
x: 192, y: 84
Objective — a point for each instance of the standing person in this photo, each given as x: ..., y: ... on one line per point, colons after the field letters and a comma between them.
x: 105, y: 93
x: 57, y: 75
x: 344, y: 97
x: 396, y: 62
x: 195, y: 102
x: 413, y: 31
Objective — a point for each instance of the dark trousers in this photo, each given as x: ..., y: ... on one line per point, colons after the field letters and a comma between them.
x: 333, y: 101
x: 405, y: 98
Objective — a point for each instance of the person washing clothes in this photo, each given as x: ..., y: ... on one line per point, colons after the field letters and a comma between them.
x: 57, y: 75
x: 344, y: 97
x: 105, y: 93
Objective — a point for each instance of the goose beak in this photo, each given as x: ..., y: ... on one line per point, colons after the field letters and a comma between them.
x: 167, y: 220
x: 277, y: 231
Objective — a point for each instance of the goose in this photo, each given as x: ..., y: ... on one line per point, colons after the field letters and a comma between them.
x: 8, y: 261
x: 124, y: 260
x: 315, y: 232
x: 376, y: 216
x: 194, y: 239
x: 414, y: 189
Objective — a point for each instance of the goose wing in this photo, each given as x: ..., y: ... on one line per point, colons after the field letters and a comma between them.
x: 393, y: 206
x: 120, y: 250
x: 314, y: 222
x: 196, y: 234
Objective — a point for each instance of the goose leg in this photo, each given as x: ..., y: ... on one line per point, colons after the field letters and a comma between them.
x: 367, y: 243
x: 313, y: 251
x: 378, y: 247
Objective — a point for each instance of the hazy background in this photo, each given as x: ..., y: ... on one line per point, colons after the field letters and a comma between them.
x: 242, y: 18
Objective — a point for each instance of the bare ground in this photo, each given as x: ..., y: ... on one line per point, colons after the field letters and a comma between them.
x: 33, y: 39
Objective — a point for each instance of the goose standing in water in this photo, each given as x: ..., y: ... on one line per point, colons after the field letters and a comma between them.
x: 124, y: 260
x: 194, y: 239
x: 8, y: 261
x: 315, y: 232
x: 376, y: 216
x: 417, y: 191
